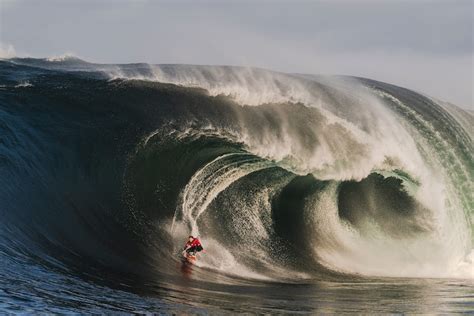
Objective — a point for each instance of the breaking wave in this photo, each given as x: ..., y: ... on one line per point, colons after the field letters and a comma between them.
x: 284, y: 177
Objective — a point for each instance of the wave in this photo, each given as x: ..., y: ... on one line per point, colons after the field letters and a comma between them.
x: 284, y: 177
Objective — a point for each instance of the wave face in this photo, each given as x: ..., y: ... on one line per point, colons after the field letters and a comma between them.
x: 105, y: 170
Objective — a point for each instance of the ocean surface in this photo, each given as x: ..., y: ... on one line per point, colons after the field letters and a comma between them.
x: 310, y: 194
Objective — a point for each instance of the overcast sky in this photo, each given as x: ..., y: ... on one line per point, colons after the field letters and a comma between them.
x: 423, y: 45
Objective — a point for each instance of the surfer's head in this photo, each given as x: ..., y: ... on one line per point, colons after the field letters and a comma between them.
x: 190, y: 238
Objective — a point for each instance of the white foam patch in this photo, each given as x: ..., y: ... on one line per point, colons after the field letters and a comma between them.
x: 217, y: 257
x: 63, y: 57
x: 343, y: 248
x: 24, y: 84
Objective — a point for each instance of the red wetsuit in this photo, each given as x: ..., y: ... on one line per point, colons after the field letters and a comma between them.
x: 193, y: 246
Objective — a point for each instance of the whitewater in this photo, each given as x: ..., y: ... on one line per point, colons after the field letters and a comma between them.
x: 308, y: 192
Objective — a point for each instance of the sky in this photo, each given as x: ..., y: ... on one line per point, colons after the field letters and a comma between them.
x: 424, y: 45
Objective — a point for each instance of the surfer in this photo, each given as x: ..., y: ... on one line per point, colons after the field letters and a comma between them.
x: 192, y: 246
